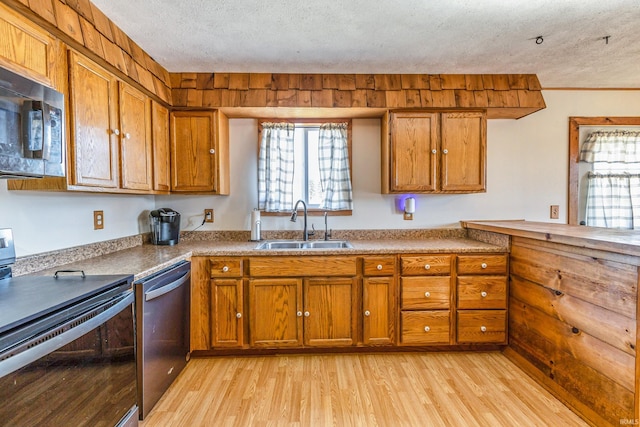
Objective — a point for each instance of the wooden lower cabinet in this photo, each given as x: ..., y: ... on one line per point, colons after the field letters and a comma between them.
x: 482, y: 326
x: 348, y: 301
x: 425, y: 327
x: 275, y: 310
x: 378, y: 311
x: 329, y: 317
x: 227, y: 321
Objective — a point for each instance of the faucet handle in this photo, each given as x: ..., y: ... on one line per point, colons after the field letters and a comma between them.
x: 312, y: 232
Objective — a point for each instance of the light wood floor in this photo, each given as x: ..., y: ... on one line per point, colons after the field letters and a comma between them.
x: 391, y: 389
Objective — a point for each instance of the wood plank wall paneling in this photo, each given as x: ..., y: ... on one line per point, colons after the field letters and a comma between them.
x: 572, y: 316
x: 81, y: 25
x: 505, y: 96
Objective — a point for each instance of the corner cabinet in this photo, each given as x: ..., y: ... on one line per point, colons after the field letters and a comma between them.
x: 199, y: 152
x: 433, y: 152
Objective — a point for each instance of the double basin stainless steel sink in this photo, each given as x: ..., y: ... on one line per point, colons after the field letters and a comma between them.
x: 310, y: 244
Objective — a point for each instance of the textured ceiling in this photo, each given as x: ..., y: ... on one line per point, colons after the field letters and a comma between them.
x: 386, y: 36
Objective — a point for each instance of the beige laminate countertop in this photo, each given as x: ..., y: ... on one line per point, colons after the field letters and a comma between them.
x: 147, y: 259
x: 612, y: 240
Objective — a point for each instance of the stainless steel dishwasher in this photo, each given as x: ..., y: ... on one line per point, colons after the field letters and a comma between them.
x: 162, y: 316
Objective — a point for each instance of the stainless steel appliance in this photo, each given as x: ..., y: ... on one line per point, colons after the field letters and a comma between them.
x: 165, y: 226
x: 162, y: 315
x: 67, y: 351
x: 31, y: 128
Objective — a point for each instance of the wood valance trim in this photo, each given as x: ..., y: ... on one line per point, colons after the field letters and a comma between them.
x: 502, y: 95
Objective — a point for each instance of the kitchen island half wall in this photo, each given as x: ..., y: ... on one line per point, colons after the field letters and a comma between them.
x: 573, y: 313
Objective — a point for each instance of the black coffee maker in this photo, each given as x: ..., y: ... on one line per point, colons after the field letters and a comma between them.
x: 165, y: 226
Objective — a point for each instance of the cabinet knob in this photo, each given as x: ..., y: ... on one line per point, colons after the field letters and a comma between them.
x: 225, y: 269
x: 434, y: 151
x: 116, y: 131
x: 367, y: 313
x: 379, y: 267
x: 212, y: 151
x: 299, y: 314
x: 238, y: 315
x: 427, y: 329
x: 483, y: 294
x: 483, y: 328
x: 483, y: 265
x: 307, y: 314
x: 427, y: 294
x: 427, y: 266
x: 445, y: 151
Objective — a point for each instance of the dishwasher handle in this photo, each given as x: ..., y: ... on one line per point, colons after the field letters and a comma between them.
x: 159, y: 290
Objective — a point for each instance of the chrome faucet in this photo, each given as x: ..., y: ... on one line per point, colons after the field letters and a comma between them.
x: 294, y: 216
x: 327, y: 232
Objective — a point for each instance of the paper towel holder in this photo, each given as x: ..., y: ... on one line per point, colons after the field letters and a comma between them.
x: 409, y: 208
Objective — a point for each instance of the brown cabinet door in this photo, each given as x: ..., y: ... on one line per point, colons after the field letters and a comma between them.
x: 135, y: 139
x: 413, y: 152
x: 160, y: 138
x: 26, y: 49
x: 329, y: 320
x: 275, y: 312
x: 463, y: 151
x: 94, y: 124
x: 193, y: 151
x: 227, y: 321
x: 378, y: 310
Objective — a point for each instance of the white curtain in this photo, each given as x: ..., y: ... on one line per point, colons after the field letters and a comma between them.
x: 275, y: 167
x: 613, y: 192
x: 611, y: 147
x: 333, y: 159
x: 613, y: 200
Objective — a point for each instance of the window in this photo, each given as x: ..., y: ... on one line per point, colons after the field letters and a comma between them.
x: 305, y: 160
x: 613, y: 181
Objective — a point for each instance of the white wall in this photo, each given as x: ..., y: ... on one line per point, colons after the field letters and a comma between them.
x: 526, y: 173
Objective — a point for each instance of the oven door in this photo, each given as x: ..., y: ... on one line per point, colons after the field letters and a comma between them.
x: 79, y: 373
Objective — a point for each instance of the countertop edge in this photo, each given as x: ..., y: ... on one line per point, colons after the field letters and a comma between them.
x: 625, y: 242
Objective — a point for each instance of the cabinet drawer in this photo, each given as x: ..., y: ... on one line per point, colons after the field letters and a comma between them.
x: 225, y: 267
x: 424, y: 327
x: 302, y: 266
x: 379, y: 266
x: 482, y: 292
x: 482, y: 326
x: 426, y: 265
x: 482, y: 264
x: 425, y: 293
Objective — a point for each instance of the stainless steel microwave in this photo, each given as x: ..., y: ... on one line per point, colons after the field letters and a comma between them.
x: 31, y: 128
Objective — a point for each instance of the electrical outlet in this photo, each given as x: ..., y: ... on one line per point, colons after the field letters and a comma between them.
x: 554, y: 212
x: 98, y: 220
x: 208, y: 215
x: 408, y: 216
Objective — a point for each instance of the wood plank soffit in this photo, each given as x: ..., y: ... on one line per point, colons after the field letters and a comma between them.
x: 503, y: 95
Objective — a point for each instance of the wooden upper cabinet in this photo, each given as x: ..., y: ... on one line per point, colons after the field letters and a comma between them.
x: 463, y: 151
x: 94, y: 156
x: 160, y: 137
x: 413, y: 154
x: 26, y: 49
x: 199, y: 152
x: 135, y: 139
x: 433, y: 152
